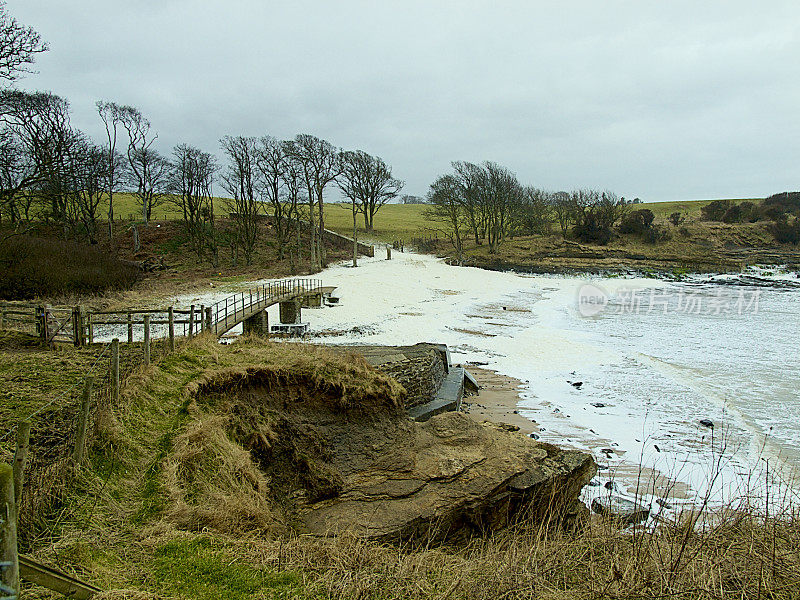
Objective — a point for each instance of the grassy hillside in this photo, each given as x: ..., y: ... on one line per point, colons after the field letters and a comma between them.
x: 392, y: 222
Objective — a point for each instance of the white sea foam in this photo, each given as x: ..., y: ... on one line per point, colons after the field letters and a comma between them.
x: 658, y: 370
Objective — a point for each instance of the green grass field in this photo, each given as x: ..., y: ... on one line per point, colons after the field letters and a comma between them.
x: 392, y: 222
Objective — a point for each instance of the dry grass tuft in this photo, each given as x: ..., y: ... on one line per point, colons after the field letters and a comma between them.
x: 212, y: 482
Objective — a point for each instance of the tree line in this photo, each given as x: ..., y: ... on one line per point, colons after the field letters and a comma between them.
x: 486, y: 203
x: 51, y: 171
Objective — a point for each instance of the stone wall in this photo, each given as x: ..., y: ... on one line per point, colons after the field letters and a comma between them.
x: 421, y: 375
x: 420, y: 368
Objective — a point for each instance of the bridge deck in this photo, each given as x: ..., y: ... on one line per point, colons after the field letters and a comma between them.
x: 238, y: 314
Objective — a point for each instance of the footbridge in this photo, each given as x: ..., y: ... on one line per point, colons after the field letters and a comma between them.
x: 250, y: 307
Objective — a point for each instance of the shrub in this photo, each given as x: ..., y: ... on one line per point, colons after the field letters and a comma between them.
x: 714, y: 211
x: 733, y: 215
x: 656, y: 234
x: 787, y: 233
x: 676, y: 218
x: 775, y: 212
x: 787, y: 202
x: 44, y: 267
x: 750, y: 212
x: 684, y: 231
x: 638, y: 221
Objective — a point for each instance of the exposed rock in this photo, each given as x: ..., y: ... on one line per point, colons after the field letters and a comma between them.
x: 326, y: 464
x: 625, y: 511
x: 450, y: 477
x: 663, y: 504
x: 508, y: 426
x: 598, y: 405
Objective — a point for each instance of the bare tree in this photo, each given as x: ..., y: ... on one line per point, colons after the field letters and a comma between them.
x: 473, y: 187
x: 293, y: 182
x: 19, y: 46
x: 595, y: 215
x: 533, y: 214
x: 240, y: 179
x: 17, y: 173
x: 112, y: 115
x: 503, y: 192
x: 272, y: 166
x: 367, y: 182
x: 370, y: 180
x: 149, y: 173
x: 350, y: 183
x: 561, y: 204
x: 87, y: 173
x: 148, y: 169
x: 40, y: 123
x: 191, y: 183
x: 320, y: 164
x: 444, y: 197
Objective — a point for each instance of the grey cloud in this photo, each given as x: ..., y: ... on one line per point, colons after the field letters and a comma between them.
x: 661, y: 100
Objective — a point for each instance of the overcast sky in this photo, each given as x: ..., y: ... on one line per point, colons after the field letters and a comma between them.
x: 661, y: 100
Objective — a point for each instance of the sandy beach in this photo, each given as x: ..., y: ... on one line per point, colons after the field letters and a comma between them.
x: 498, y: 401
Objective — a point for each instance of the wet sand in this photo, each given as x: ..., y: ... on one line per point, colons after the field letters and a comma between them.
x: 498, y: 400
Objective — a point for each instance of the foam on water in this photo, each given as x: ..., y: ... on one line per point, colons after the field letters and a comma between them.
x: 657, y: 371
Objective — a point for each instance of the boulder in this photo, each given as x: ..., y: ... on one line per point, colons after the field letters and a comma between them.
x: 450, y: 477
x: 619, y: 509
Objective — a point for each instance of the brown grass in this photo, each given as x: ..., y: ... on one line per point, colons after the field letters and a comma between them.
x: 138, y: 519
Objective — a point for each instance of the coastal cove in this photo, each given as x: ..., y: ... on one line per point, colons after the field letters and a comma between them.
x: 649, y: 368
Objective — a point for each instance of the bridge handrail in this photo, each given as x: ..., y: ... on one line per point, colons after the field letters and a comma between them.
x: 232, y: 305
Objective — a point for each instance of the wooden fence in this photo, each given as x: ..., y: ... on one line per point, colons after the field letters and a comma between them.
x: 78, y: 325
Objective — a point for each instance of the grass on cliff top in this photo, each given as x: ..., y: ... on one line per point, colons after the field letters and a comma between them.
x: 112, y: 531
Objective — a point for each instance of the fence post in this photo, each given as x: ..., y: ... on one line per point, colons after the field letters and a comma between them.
x: 91, y: 328
x: 209, y: 317
x: 388, y: 252
x: 147, y: 340
x: 191, y: 321
x: 201, y: 323
x: 41, y: 322
x: 21, y: 457
x: 9, y: 562
x: 82, y: 318
x: 130, y: 328
x: 83, y: 420
x: 115, y: 369
x: 171, y: 313
x: 77, y: 334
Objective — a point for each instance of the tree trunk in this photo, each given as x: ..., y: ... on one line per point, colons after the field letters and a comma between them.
x: 313, y: 236
x: 110, y: 216
x: 323, y: 258
x: 136, y: 246
x: 355, y: 237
